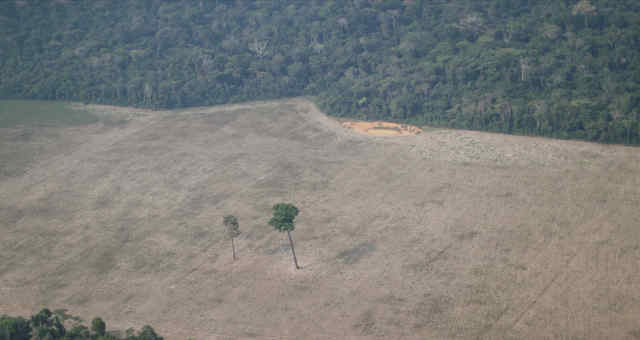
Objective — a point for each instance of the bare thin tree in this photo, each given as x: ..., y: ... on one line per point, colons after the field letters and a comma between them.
x: 233, y: 230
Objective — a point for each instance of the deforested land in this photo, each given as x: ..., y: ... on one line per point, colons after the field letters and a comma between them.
x: 445, y: 234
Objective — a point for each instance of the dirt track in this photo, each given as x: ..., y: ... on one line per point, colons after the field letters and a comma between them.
x: 445, y: 234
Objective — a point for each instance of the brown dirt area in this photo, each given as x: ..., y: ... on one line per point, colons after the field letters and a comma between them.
x: 442, y: 235
x: 380, y: 128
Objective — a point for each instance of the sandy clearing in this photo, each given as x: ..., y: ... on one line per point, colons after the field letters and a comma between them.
x: 380, y: 128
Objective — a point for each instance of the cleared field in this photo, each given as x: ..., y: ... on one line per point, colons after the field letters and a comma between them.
x: 442, y: 235
x: 31, y: 130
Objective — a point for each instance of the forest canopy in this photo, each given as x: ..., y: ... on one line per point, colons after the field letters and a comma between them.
x: 560, y: 68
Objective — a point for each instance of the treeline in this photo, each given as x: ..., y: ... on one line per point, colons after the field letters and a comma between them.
x: 47, y: 325
x: 561, y: 68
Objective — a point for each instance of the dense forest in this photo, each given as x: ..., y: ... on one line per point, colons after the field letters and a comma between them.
x: 561, y: 68
x: 47, y: 325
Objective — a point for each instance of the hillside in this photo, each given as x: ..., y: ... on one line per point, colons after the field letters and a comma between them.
x: 445, y: 234
x: 567, y: 69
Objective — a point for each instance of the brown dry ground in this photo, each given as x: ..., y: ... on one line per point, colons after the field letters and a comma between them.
x: 444, y: 235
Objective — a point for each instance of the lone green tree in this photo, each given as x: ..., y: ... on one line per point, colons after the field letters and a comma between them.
x: 283, y: 218
x: 233, y: 229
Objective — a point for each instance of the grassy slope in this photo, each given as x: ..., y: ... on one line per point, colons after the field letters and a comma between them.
x: 32, y: 112
x: 32, y: 130
x: 449, y: 234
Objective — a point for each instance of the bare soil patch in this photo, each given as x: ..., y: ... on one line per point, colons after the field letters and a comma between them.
x: 380, y: 128
x: 446, y: 234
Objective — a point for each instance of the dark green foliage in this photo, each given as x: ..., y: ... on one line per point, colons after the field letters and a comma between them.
x: 44, y: 318
x: 283, y: 218
x: 14, y: 328
x: 568, y: 69
x: 98, y: 326
x: 147, y: 333
x: 47, y: 325
x: 78, y: 332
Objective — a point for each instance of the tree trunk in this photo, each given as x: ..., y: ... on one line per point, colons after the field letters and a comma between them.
x: 293, y: 251
x: 233, y: 248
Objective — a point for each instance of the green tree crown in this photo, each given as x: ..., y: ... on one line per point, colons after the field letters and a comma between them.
x: 283, y: 218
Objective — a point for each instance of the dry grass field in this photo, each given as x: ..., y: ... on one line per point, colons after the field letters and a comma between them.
x: 443, y: 235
